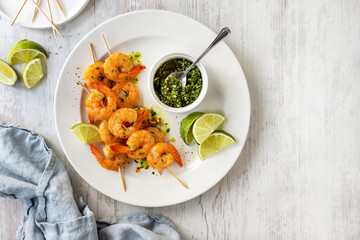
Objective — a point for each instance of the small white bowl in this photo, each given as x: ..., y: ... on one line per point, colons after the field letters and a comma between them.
x: 204, y: 77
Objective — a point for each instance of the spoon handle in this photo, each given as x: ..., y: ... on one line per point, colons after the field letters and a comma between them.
x: 222, y: 34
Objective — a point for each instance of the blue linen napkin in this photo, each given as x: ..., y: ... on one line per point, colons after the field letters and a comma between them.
x: 29, y: 170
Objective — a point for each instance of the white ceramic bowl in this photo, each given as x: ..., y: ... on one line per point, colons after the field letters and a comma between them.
x: 203, y: 76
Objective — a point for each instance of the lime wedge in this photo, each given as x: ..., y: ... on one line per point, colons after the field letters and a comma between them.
x: 26, y: 50
x: 185, y: 126
x: 205, y: 125
x: 86, y: 132
x: 217, y: 141
x: 32, y: 73
x: 7, y: 74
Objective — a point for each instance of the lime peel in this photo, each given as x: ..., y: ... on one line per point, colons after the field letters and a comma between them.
x: 186, y: 126
x: 26, y: 50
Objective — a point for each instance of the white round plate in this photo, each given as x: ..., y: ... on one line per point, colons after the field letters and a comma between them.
x: 154, y: 34
x: 71, y: 8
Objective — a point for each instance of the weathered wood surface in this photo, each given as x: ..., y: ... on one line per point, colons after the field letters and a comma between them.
x: 298, y: 175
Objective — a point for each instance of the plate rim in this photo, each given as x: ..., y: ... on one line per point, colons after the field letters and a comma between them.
x: 239, y: 149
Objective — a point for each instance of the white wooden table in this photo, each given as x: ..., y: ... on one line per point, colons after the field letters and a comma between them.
x: 298, y: 176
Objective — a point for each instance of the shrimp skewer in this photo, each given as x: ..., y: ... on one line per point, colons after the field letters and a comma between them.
x: 127, y: 93
x: 163, y: 155
x: 95, y: 72
x: 124, y: 122
x: 93, y: 102
x: 118, y: 67
x: 119, y: 162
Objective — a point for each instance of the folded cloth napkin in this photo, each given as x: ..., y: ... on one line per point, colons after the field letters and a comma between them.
x: 29, y: 170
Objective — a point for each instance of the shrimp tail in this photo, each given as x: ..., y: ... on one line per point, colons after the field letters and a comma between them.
x: 97, y: 154
x: 91, y: 119
x: 136, y: 71
x: 100, y: 159
x: 176, y: 155
x: 101, y: 87
x: 119, y: 148
x: 139, y: 120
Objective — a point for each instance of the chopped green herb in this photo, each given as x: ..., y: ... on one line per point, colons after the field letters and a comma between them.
x: 170, y: 91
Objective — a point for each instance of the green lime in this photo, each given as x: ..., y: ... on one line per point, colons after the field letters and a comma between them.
x: 32, y: 73
x: 26, y: 50
x: 205, y: 125
x: 86, y: 132
x: 217, y: 141
x: 7, y: 74
x: 185, y: 126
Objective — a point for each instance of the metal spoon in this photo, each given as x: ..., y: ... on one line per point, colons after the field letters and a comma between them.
x: 181, y: 76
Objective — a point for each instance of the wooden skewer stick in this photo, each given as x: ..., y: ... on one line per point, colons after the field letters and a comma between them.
x: 92, y: 52
x: 122, y: 179
x: 51, y: 16
x: 177, y: 178
x: 159, y: 171
x: 85, y: 88
x: 106, y: 44
x: 37, y: 6
x: 62, y: 10
x: 35, y: 11
x: 18, y: 13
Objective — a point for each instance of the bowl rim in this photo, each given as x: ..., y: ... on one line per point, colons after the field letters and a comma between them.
x: 170, y: 56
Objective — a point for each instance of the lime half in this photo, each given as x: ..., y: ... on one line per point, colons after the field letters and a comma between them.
x: 205, y: 125
x: 7, y: 74
x: 86, y: 132
x: 186, y: 124
x: 217, y: 141
x: 26, y: 50
x: 32, y: 73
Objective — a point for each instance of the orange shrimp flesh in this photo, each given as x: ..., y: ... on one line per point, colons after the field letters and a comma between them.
x: 108, y: 163
x: 162, y: 155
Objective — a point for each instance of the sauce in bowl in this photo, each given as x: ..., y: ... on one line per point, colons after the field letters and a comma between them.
x: 170, y: 91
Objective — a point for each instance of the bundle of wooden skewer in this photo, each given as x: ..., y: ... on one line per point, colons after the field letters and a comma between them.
x: 37, y: 8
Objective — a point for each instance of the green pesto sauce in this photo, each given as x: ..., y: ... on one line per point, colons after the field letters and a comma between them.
x: 170, y: 91
x: 135, y: 57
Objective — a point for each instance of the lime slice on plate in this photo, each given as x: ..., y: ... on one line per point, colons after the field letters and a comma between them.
x: 7, y: 74
x: 205, y: 125
x: 26, y: 50
x: 217, y: 141
x: 185, y: 126
x: 32, y: 73
x: 86, y: 132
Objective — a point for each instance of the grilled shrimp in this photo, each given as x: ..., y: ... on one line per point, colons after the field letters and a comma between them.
x: 127, y: 94
x: 148, y: 119
x: 93, y: 102
x: 138, y: 145
x: 158, y: 135
x: 124, y: 122
x: 95, y: 73
x: 105, y: 134
x: 120, y: 159
x: 118, y: 67
x: 163, y: 155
